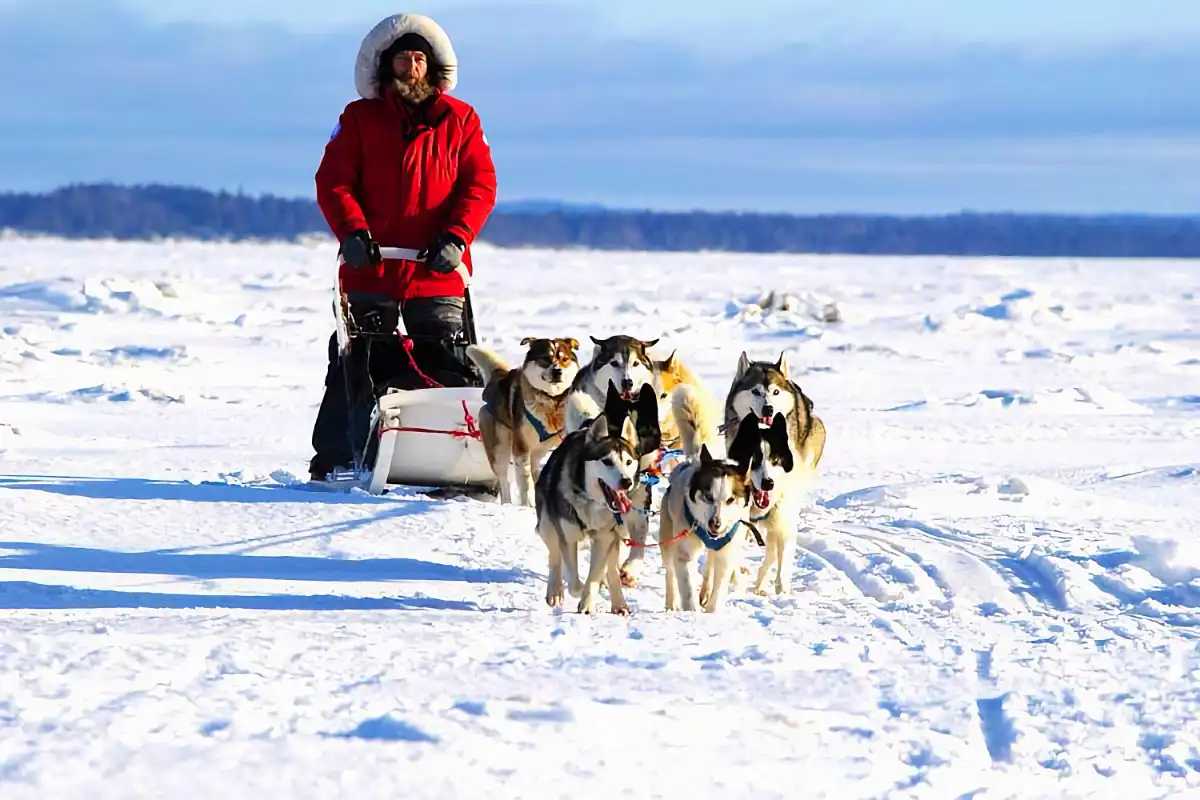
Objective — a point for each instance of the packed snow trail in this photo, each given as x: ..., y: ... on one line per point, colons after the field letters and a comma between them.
x: 997, y: 589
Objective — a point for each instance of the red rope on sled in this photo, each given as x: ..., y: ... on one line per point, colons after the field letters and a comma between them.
x: 674, y: 538
x: 407, y: 343
x: 472, y: 431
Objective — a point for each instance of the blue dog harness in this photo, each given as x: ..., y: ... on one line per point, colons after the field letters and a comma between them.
x: 701, y: 533
x: 540, y: 428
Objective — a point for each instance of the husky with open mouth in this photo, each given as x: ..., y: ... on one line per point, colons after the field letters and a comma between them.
x: 583, y: 496
x: 522, y: 416
x: 764, y: 390
x: 624, y: 362
x: 706, y: 510
x: 774, y: 504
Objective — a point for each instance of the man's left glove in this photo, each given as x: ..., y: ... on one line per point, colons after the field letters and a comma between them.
x: 445, y: 254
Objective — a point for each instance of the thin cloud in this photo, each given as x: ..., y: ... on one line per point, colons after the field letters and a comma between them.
x: 577, y: 111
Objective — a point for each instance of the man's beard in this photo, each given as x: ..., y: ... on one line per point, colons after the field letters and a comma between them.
x: 413, y: 91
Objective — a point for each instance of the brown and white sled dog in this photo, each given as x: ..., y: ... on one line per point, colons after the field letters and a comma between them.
x: 522, y: 416
x: 763, y: 389
x: 626, y: 362
x: 706, y: 510
x: 582, y: 497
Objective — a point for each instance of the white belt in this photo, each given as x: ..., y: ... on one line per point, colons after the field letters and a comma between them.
x: 409, y: 254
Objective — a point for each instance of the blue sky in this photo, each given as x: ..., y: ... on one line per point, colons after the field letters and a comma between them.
x: 922, y: 106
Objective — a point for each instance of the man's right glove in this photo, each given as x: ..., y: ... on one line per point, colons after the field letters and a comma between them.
x: 360, y: 250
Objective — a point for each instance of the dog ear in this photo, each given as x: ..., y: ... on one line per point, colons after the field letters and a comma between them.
x: 666, y: 364
x: 598, y: 430
x: 528, y: 340
x: 647, y: 401
x: 779, y: 437
x: 745, y: 442
x: 629, y: 434
x: 616, y: 410
x: 649, y: 343
x: 572, y: 342
x: 705, y: 457
x: 743, y: 365
x: 612, y: 399
x: 782, y: 364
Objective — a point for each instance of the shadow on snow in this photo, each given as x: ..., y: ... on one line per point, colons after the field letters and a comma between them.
x: 26, y: 595
x: 37, y: 556
x: 146, y: 489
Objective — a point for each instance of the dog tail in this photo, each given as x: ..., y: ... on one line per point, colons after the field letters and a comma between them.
x: 581, y: 409
x: 696, y: 417
x: 488, y: 362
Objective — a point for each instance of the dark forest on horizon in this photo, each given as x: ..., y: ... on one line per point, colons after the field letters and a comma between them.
x: 156, y: 211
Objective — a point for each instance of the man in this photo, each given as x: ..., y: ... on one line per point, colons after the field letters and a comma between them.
x: 407, y: 166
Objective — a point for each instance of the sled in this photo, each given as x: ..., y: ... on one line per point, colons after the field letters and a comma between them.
x: 418, y: 437
x: 429, y: 437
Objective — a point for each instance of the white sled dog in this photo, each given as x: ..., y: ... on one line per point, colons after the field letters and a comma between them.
x: 706, y: 510
x: 626, y: 362
x: 583, y: 495
x: 522, y: 416
x: 763, y: 389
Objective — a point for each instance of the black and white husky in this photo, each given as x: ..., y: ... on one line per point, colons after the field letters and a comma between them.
x: 583, y: 496
x: 706, y: 510
x: 624, y: 362
x: 763, y: 389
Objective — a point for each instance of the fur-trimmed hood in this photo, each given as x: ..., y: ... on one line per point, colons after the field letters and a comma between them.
x: 388, y: 31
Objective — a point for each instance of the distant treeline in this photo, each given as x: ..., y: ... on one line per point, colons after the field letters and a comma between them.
x: 140, y: 212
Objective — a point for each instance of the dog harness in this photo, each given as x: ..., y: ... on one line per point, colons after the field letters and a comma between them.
x: 710, y: 541
x: 652, y: 475
x: 539, y: 427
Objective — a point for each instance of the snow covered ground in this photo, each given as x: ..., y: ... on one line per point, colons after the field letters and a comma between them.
x: 998, y: 589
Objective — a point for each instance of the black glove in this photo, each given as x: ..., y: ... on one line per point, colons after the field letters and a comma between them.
x: 360, y: 250
x: 445, y: 254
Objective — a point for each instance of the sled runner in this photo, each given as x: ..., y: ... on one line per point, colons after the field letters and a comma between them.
x: 421, y: 432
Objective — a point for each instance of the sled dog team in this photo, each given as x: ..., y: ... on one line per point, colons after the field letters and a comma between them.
x: 606, y: 427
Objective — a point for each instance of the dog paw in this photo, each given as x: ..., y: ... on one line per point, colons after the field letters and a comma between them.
x: 586, y: 606
x: 554, y: 599
x: 759, y: 590
x: 628, y: 579
x: 620, y: 611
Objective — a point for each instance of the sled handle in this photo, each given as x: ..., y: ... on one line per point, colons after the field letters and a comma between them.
x: 409, y: 254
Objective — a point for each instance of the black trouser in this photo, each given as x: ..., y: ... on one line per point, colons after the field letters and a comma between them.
x: 378, y: 361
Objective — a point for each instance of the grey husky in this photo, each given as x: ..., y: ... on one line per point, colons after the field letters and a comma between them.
x: 764, y: 389
x: 621, y: 360
x: 582, y: 496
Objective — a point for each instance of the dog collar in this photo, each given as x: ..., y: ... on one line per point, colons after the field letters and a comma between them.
x: 710, y: 541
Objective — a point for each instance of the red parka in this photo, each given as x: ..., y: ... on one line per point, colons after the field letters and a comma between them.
x: 407, y: 175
